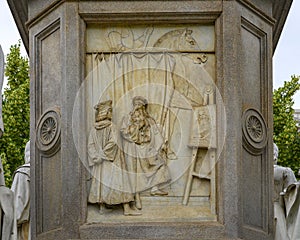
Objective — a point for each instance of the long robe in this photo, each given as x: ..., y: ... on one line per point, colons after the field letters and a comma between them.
x: 6, y: 207
x: 292, y: 207
x: 21, y: 188
x: 146, y: 162
x: 286, y: 204
x: 110, y: 181
x: 6, y: 213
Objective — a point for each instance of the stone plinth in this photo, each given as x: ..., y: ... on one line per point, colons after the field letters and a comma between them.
x: 205, y: 70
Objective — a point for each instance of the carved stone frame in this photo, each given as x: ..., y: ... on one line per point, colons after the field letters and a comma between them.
x: 166, y: 229
x: 69, y: 19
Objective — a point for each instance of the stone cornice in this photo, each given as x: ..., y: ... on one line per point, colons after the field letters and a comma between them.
x: 19, y: 9
x: 280, y: 13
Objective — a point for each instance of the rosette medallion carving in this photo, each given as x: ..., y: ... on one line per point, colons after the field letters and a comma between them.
x: 48, y: 131
x: 255, y: 131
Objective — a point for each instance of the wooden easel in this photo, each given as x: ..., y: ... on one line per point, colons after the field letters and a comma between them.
x: 192, y: 174
x: 211, y: 151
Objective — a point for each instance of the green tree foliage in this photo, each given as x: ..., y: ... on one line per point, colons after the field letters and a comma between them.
x: 15, y: 112
x: 286, y: 134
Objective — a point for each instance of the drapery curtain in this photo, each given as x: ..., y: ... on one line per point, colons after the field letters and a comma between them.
x: 172, y: 82
x: 120, y: 77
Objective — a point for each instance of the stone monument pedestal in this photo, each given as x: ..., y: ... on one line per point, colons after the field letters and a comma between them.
x: 205, y: 70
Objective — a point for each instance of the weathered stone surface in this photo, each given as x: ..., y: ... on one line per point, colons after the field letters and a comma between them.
x: 74, y: 49
x: 170, y: 68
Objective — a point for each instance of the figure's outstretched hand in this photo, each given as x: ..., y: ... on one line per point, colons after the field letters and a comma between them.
x: 98, y: 160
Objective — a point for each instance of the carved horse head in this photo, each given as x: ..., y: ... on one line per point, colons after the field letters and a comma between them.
x: 178, y: 40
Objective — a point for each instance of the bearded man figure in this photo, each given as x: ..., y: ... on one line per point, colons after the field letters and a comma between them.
x: 145, y: 151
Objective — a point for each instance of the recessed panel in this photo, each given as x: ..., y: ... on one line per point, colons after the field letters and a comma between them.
x: 148, y: 93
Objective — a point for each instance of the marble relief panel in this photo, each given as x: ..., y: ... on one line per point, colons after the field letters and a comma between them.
x: 120, y: 38
x: 150, y: 102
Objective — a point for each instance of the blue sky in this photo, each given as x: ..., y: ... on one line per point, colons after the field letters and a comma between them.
x: 286, y: 60
x: 9, y: 34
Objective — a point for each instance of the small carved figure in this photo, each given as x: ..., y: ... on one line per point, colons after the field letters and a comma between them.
x: 110, y: 181
x: 125, y: 39
x: 204, y: 124
x: 21, y: 188
x: 145, y: 151
x: 286, y: 202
